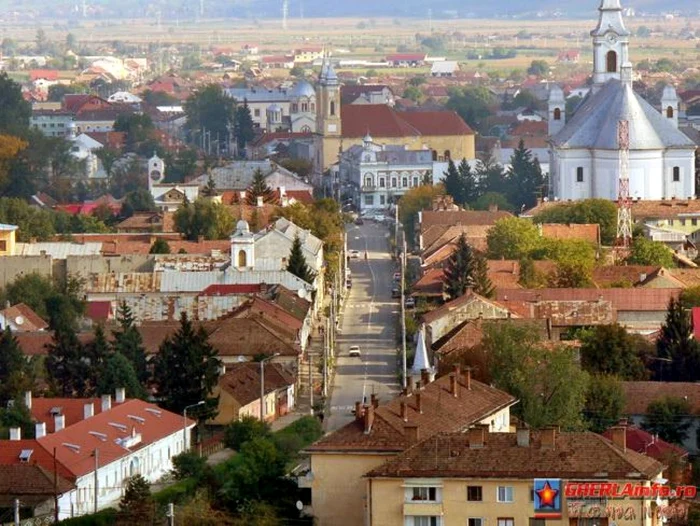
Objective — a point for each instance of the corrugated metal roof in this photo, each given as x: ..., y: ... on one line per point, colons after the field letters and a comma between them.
x: 189, y: 281
x: 58, y: 250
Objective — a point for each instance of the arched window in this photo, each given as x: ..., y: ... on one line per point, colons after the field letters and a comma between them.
x: 295, y: 108
x: 242, y: 258
x: 304, y: 107
x: 332, y: 107
x: 368, y: 181
x: 676, y: 174
x: 669, y: 112
x: 404, y: 182
x: 611, y: 62
x: 305, y: 129
x: 393, y: 182
x: 447, y: 155
x: 415, y: 181
x: 557, y: 114
x: 381, y: 182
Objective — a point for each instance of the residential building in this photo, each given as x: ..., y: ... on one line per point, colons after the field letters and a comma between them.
x: 239, y: 392
x: 340, y: 460
x: 444, y: 68
x: 98, y: 452
x: 7, y: 239
x: 585, y: 153
x: 52, y: 123
x: 406, y: 60
x: 366, y: 94
x: 21, y: 318
x: 238, y: 176
x: 481, y: 478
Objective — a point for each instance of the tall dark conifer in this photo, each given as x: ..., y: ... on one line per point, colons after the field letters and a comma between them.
x: 525, y: 177
x: 297, y: 262
x: 480, y: 276
x: 15, y: 371
x: 259, y: 188
x: 459, y: 271
x: 676, y: 343
x: 128, y: 342
x: 453, y: 183
x: 67, y: 371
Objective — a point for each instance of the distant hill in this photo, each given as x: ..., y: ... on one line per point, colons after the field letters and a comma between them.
x: 325, y: 8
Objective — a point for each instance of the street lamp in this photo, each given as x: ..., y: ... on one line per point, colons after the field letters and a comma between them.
x: 262, y: 385
x: 184, y: 422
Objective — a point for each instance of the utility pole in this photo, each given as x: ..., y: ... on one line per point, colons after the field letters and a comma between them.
x: 403, y: 312
x: 326, y: 336
x: 97, y: 467
x: 16, y: 508
x: 171, y: 514
x: 311, y: 381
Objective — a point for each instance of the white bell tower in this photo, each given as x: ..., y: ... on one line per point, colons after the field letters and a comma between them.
x: 669, y: 105
x: 242, y: 247
x: 557, y: 110
x: 610, y: 43
x: 156, y: 170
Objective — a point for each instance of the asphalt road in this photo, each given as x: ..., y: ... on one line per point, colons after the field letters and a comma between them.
x: 368, y: 320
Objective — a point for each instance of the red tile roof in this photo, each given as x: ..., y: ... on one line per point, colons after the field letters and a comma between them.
x: 529, y: 128
x: 460, y: 217
x: 11, y: 449
x: 436, y: 123
x: 99, y: 310
x: 242, y: 381
x: 617, y: 275
x: 24, y: 318
x: 638, y: 395
x: 48, y: 74
x: 585, y: 232
x: 32, y: 483
x: 639, y: 299
x: 647, y: 444
x: 379, y: 120
x: 574, y: 455
x: 71, y: 408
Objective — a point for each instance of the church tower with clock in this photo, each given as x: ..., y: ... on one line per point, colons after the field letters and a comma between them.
x: 610, y: 43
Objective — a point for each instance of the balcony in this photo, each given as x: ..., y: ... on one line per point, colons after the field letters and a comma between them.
x: 422, y: 508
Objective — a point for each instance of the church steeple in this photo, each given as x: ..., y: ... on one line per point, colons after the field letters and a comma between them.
x: 328, y: 101
x: 610, y: 43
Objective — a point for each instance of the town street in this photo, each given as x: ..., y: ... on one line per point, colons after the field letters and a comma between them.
x: 368, y: 320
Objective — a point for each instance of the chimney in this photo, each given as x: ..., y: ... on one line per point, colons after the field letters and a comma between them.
x: 28, y: 400
x: 15, y: 433
x: 88, y: 411
x: 40, y: 430
x: 259, y: 201
x: 410, y: 431
x: 424, y: 376
x: 374, y: 400
x: 358, y: 410
x: 619, y: 437
x: 120, y: 395
x: 493, y: 207
x: 200, y: 239
x: 369, y: 418
x: 477, y: 437
x: 523, y: 437
x: 468, y: 377
x: 242, y: 195
x: 106, y: 402
x: 404, y: 411
x: 548, y: 437
x: 419, y: 403
x: 59, y: 422
x: 453, y: 385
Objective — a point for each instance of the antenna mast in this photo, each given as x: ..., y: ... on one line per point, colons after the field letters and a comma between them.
x: 624, y: 207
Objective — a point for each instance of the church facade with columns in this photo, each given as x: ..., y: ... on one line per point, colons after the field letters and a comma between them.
x: 585, y: 152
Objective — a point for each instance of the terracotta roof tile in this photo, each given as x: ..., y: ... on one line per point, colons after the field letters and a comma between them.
x: 22, y: 316
x: 610, y: 275
x: 461, y: 217
x: 638, y: 395
x: 32, y: 482
x: 639, y: 299
x: 647, y: 444
x: 575, y: 455
x: 10, y: 451
x: 641, y: 210
x: 441, y: 412
x: 585, y: 232
x: 436, y: 123
x: 71, y: 408
x: 242, y: 381
x: 377, y: 119
x: 456, y: 303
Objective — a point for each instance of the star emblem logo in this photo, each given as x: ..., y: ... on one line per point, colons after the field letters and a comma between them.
x: 547, y: 496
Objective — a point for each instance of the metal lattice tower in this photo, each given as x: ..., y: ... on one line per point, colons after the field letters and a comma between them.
x: 285, y: 13
x: 624, y: 209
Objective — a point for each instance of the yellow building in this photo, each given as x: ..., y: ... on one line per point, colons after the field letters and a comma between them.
x: 486, y: 479
x: 380, y: 432
x: 7, y: 239
x: 338, y: 128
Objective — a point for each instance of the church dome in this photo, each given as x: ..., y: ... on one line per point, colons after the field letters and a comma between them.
x: 242, y: 227
x: 302, y: 89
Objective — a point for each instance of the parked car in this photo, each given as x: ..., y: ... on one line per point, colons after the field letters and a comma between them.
x: 348, y: 283
x: 410, y: 303
x: 354, y: 351
x: 355, y: 254
x: 395, y: 292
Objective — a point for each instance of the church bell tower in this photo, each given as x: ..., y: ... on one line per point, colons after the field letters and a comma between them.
x: 328, y: 102
x: 610, y: 43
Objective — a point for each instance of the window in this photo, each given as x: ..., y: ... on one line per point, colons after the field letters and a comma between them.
x: 242, y: 258
x: 256, y: 112
x: 393, y: 182
x: 669, y: 112
x: 332, y: 107
x: 425, y: 494
x: 404, y: 182
x: 447, y: 155
x: 676, y: 174
x: 381, y: 182
x: 369, y: 200
x: 368, y: 181
x: 475, y: 521
x: 415, y: 181
x: 382, y: 200
x: 694, y: 222
x: 557, y: 114
x: 611, y: 62
x: 504, y: 494
x: 3, y: 246
x: 505, y: 522
x: 474, y: 494
x: 304, y: 107
x: 579, y: 174
x: 425, y: 521
x: 537, y: 522
x: 295, y: 107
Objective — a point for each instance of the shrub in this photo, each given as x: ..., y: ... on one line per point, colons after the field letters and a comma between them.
x: 244, y: 430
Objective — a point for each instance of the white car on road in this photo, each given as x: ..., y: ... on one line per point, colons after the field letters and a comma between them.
x: 354, y: 351
x: 354, y: 254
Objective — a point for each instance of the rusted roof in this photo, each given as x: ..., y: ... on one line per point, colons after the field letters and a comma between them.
x: 611, y: 275
x: 638, y: 299
x: 638, y: 395
x: 242, y: 381
x: 460, y: 217
x: 30, y: 482
x: 456, y: 303
x: 441, y: 412
x: 574, y: 455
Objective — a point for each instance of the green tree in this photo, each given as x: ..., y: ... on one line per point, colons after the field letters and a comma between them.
x: 243, y: 124
x: 690, y: 297
x: 524, y: 177
x: 203, y: 218
x: 186, y: 370
x: 454, y: 185
x: 605, y: 402
x: 14, y: 119
x: 647, y: 252
x: 470, y: 186
x: 512, y: 238
x: 136, y: 506
x: 244, y: 430
x: 95, y: 355
x: 669, y: 418
x: 472, y: 103
x: 138, y: 128
x: 259, y: 188
x: 587, y: 211
x: 412, y: 202
x: 31, y: 289
x: 459, y: 270
x: 492, y: 178
x: 413, y: 93
x: 188, y: 464
x: 538, y: 68
x: 489, y: 199
x: 117, y: 371
x: 210, y: 110
x: 158, y: 98
x: 298, y: 72
x: 16, y: 416
x: 610, y: 349
x: 16, y: 374
x: 482, y: 282
x: 643, y: 32
x: 66, y: 369
x: 160, y: 246
x: 297, y: 262
x: 676, y: 343
x: 575, y: 259
x: 127, y: 341
x: 140, y: 200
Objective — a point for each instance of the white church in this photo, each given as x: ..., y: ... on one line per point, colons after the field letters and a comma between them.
x: 584, y: 154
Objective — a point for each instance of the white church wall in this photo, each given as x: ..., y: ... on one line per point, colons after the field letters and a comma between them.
x: 685, y: 162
